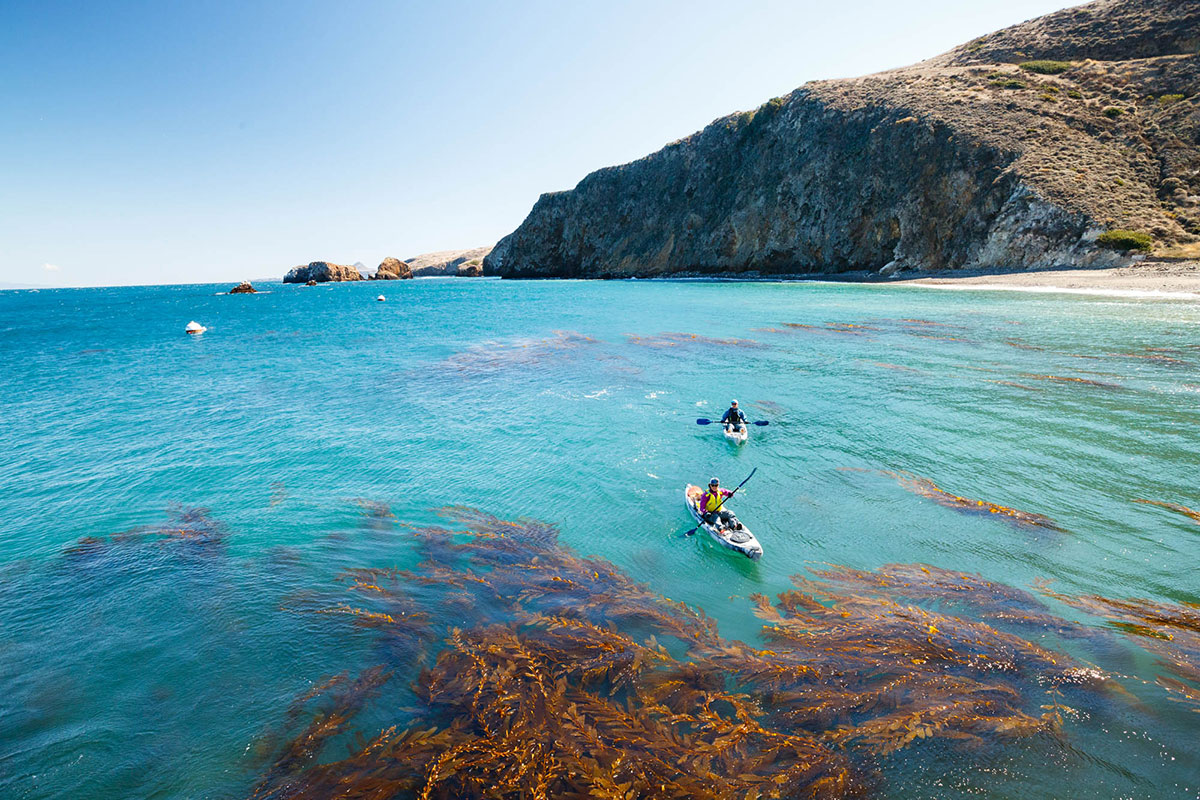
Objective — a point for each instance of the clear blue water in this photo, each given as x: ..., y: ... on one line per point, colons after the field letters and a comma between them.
x: 151, y: 673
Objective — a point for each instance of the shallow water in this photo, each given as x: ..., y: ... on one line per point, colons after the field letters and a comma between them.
x: 152, y: 670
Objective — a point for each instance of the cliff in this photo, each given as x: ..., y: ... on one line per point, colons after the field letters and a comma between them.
x: 322, y: 272
x: 446, y: 262
x: 392, y: 269
x: 976, y: 159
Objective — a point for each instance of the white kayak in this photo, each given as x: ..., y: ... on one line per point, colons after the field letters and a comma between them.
x: 737, y: 436
x: 742, y: 541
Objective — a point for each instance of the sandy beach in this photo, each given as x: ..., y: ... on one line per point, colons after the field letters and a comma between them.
x: 1180, y: 279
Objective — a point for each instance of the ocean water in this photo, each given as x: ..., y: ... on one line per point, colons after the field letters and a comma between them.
x: 309, y: 428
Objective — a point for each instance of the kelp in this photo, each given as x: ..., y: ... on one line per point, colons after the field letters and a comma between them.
x: 926, y: 488
x: 189, y: 530
x: 496, y: 357
x: 1194, y: 516
x: 664, y: 340
x: 550, y: 675
x: 1112, y: 387
x: 1170, y: 631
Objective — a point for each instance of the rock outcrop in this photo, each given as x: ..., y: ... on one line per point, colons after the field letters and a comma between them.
x: 976, y: 159
x: 322, y: 272
x: 391, y: 269
x: 470, y: 269
x: 243, y: 288
x: 445, y: 262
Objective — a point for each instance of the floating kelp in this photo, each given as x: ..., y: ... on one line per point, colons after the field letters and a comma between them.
x: 1194, y: 516
x: 1023, y: 346
x: 1069, y: 379
x: 928, y: 489
x: 1169, y: 630
x: 561, y: 677
x: 833, y: 328
x: 663, y: 340
x: 1016, y: 385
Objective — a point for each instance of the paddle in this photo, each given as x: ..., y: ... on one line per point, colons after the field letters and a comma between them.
x: 760, y: 422
x: 731, y: 494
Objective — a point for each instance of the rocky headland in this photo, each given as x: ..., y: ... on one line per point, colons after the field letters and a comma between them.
x: 1067, y: 141
x: 322, y: 272
x: 391, y: 269
x: 449, y: 262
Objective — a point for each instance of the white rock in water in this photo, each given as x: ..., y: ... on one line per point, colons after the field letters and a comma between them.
x: 195, y: 327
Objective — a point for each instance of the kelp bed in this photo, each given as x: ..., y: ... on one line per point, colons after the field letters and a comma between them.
x: 563, y: 678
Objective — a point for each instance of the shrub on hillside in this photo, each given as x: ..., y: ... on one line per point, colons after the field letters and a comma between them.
x: 1167, y: 99
x: 1112, y: 112
x: 1008, y: 84
x: 1046, y: 67
x: 1126, y: 241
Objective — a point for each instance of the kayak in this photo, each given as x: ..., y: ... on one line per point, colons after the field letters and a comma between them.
x: 739, y: 436
x: 742, y: 541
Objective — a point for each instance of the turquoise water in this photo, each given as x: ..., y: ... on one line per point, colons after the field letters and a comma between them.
x: 153, y: 672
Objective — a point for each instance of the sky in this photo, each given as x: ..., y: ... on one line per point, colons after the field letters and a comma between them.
x: 197, y: 142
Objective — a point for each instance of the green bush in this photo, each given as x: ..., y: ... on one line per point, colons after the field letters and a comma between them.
x: 1046, y: 67
x: 1112, y: 112
x: 1074, y: 94
x: 1008, y: 84
x: 1126, y: 241
x: 1167, y: 99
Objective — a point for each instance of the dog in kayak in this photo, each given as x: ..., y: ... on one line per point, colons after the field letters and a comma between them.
x: 712, y: 508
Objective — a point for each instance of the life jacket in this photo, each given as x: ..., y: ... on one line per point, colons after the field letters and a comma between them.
x: 710, y: 500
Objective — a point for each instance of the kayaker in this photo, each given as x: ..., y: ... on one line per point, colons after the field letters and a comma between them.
x: 712, y: 509
x: 734, y: 419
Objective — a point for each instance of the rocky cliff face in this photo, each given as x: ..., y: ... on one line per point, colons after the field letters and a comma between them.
x: 966, y: 161
x: 446, y: 262
x: 391, y: 269
x: 322, y: 272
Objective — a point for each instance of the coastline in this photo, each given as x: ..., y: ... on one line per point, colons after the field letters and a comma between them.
x: 1168, y: 279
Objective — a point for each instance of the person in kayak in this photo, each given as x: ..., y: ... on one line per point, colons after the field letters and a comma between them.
x: 712, y: 509
x: 734, y: 420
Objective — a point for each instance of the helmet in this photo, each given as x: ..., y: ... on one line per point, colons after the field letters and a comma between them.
x: 715, y: 482
x: 733, y: 402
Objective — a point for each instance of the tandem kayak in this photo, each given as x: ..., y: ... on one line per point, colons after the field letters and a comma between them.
x: 742, y: 541
x: 739, y: 437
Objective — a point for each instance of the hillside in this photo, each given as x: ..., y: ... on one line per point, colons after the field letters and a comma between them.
x: 975, y: 159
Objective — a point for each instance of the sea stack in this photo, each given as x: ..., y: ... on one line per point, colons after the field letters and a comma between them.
x: 243, y: 288
x: 322, y: 272
x: 391, y: 269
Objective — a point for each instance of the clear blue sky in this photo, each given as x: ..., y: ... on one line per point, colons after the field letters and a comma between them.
x: 169, y: 142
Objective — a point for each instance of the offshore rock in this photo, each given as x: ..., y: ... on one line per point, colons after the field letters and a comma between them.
x: 445, y: 262
x: 471, y: 269
x: 322, y: 272
x: 964, y: 161
x: 243, y: 288
x: 391, y: 269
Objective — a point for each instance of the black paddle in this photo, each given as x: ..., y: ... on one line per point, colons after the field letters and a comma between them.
x: 723, y: 499
x: 760, y: 422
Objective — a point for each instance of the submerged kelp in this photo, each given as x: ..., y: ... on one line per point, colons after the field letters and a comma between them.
x: 495, y: 357
x: 678, y: 339
x: 558, y: 676
x: 189, y: 529
x: 1169, y: 630
x: 928, y: 489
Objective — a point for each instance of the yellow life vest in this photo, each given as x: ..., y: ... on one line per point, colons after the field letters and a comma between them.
x: 711, y: 500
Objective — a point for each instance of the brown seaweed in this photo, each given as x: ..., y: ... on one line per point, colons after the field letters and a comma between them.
x: 1112, y: 387
x: 1171, y: 631
x: 664, y: 340
x: 562, y: 677
x: 928, y: 489
x: 1194, y: 516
